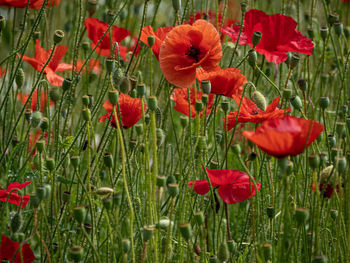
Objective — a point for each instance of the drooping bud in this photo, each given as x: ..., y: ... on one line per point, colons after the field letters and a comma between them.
x: 16, y: 222
x: 19, y: 78
x: 124, y: 85
x: 259, y: 100
x: 296, y: 102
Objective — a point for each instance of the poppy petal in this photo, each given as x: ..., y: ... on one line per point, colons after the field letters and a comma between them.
x: 236, y: 193
x: 201, y: 187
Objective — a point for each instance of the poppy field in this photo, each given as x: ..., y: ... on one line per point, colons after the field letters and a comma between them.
x: 174, y: 131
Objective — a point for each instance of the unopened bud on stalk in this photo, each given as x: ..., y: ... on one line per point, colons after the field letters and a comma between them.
x: 347, y: 32
x: 110, y: 63
x: 66, y: 84
x: 160, y: 136
x: 256, y: 38
x: 296, y: 102
x: 147, y: 233
x: 252, y: 58
x: 236, y: 148
x: 152, y: 103
x: 86, y: 114
x: 36, y: 119
x: 54, y: 94
x: 19, y: 78
x: 16, y: 222
x: 41, y: 192
x: 58, y: 36
x: 34, y: 200
x: 173, y: 190
x: 287, y: 93
x: 76, y: 253
x: 338, y: 28
x: 334, y: 214
x: 324, y: 31
x: 118, y: 75
x: 79, y: 213
x: 206, y: 86
x: 259, y: 100
x: 186, y: 231
x: 151, y: 40
x: 223, y: 253
x: 108, y: 160
x: 40, y: 145
x: 141, y: 89
x: 124, y: 85
x: 177, y: 5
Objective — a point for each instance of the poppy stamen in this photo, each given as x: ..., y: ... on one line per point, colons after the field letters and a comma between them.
x: 193, y: 52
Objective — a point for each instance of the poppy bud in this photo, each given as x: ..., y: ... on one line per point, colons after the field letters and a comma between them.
x: 124, y: 85
x: 160, y: 136
x: 186, y: 231
x: 147, y: 233
x: 58, y: 36
x: 40, y: 145
x: 244, y: 7
x: 252, y: 58
x: 79, y: 213
x: 340, y: 129
x: 108, y: 160
x: 223, y: 253
x: 16, y: 222
x: 314, y: 161
x: 102, y: 191
x: 151, y: 39
x: 66, y: 84
x: 256, y: 38
x: 184, y: 121
x: 50, y: 164
x: 160, y: 181
x: 320, y: 259
x: 118, y: 75
x: 76, y: 253
x: 66, y: 196
x: 334, y: 214
x: 44, y: 124
x: 141, y: 89
x: 287, y: 93
x: 224, y: 106
x: 331, y: 140
x: 173, y: 189
x: 86, y: 114
x: 177, y: 5
x: 126, y: 245
x: 296, y: 102
x: 139, y: 129
x: 85, y: 100
x: 324, y: 102
x: 2, y: 23
x: 19, y: 78
x: 54, y: 94
x: 294, y: 61
x: 302, y: 84
x: 205, y: 99
x: 110, y: 63
x: 267, y: 250
x: 259, y: 100
x: 333, y: 18
x: 340, y: 163
x: 152, y: 103
x: 310, y: 33
x: 36, y: 119
x: 338, y: 28
x: 199, y: 218
x: 301, y: 215
x: 91, y: 7
x: 206, y: 86
x: 324, y: 31
x: 41, y: 192
x: 107, y: 202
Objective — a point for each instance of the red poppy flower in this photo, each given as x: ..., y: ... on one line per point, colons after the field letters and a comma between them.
x: 15, y: 198
x: 249, y: 112
x: 9, y: 250
x: 286, y: 136
x: 33, y: 4
x: 234, y: 186
x: 97, y: 28
x: 159, y: 36
x: 227, y: 82
x: 41, y: 57
x: 94, y: 66
x: 180, y: 96
x: 279, y: 35
x: 327, y: 190
x: 187, y: 47
x: 43, y: 98
x: 130, y: 109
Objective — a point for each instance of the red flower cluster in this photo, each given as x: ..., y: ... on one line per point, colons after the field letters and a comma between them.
x: 249, y: 112
x: 33, y: 4
x: 9, y: 250
x: 234, y: 186
x: 180, y: 96
x: 285, y: 136
x: 12, y: 197
x: 41, y: 57
x: 130, y: 110
x: 279, y: 35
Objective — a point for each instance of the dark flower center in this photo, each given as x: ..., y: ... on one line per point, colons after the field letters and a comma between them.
x: 255, y: 112
x: 193, y: 52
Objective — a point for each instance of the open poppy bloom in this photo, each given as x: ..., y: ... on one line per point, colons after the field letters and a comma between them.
x: 43, y: 98
x: 187, y: 47
x: 224, y: 81
x: 130, y: 110
x: 41, y: 57
x: 33, y: 4
x: 93, y: 66
x: 97, y: 28
x: 180, y: 96
x: 15, y: 198
x: 159, y: 36
x: 279, y: 35
x: 249, y: 112
x: 234, y: 186
x: 9, y: 250
x: 286, y: 136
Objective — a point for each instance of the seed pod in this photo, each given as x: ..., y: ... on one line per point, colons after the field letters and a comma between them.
x: 296, y: 102
x: 76, y: 253
x: 302, y: 84
x: 141, y: 89
x: 28, y: 114
x: 333, y: 18
x: 124, y: 85
x: 85, y: 100
x: 147, y: 233
x: 58, y: 36
x: 294, y: 61
x: 198, y: 106
x: 259, y: 100
x: 86, y: 114
x: 331, y: 140
x: 186, y: 231
x: 40, y: 145
x: 54, y: 94
x: 301, y: 215
x: 170, y: 180
x: 164, y: 224
x: 34, y: 201
x: 223, y: 253
x: 2, y: 23
x: 108, y: 160
x: 152, y: 103
x: 310, y: 33
x: 320, y: 259
x: 75, y: 160
x: 334, y: 214
x: 110, y: 64
x: 79, y: 213
x: 199, y: 218
x: 126, y: 245
x: 184, y: 121
x: 232, y: 246
x: 66, y: 84
x: 243, y: 7
x: 252, y: 58
x: 19, y: 78
x: 267, y: 250
x: 314, y: 161
x: 324, y: 33
x: 160, y: 181
x: 173, y: 190
x: 36, y: 119
x: 66, y: 196
x: 41, y: 192
x: 287, y: 93
x: 117, y: 76
x: 50, y: 164
x: 206, y: 86
x: 139, y: 129
x: 225, y: 106
x: 338, y: 28
x: 16, y: 222
x: 256, y: 38
x: 91, y: 7
x: 213, y: 259
x: 340, y: 163
x: 270, y: 212
x: 107, y: 202
x: 160, y: 136
x: 44, y: 124
x: 177, y: 5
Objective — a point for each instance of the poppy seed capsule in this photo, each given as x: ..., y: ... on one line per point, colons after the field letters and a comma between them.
x: 79, y: 213
x: 113, y: 97
x: 223, y: 253
x: 86, y: 114
x: 338, y: 28
x: 267, y: 250
x: 287, y: 93
x: 91, y: 7
x: 310, y: 33
x: 256, y: 38
x: 41, y: 192
x: 206, y: 86
x: 320, y: 259
x: 124, y: 85
x: 147, y: 233
x: 58, y: 36
x: 151, y: 39
x: 85, y: 100
x: 16, y: 222
x: 40, y: 145
x: 66, y: 84
x: 75, y: 160
x: 186, y: 231
x: 160, y: 181
x: 198, y: 106
x: 340, y: 163
x: 34, y: 200
x: 36, y: 119
x: 270, y: 212
x: 205, y: 99
x: 243, y: 7
x: 50, y: 164
x: 107, y: 202
x: 177, y: 5
x: 199, y: 218
x: 294, y: 61
x: 331, y: 140
x: 334, y: 214
x: 19, y: 78
x: 54, y: 94
x: 139, y: 129
x: 232, y: 246
x: 301, y: 215
x: 183, y: 121
x: 102, y: 191
x: 340, y: 129
x: 76, y: 253
x: 324, y: 32
x: 28, y: 114
x: 44, y: 124
x: 324, y: 102
x: 126, y: 245
x: 224, y: 106
x: 173, y: 190
x: 259, y: 100
x: 141, y: 89
x: 66, y: 196
x: 252, y: 58
x: 108, y: 160
x: 296, y: 102
x: 152, y: 103
x: 314, y: 161
x: 302, y: 84
x: 333, y: 18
